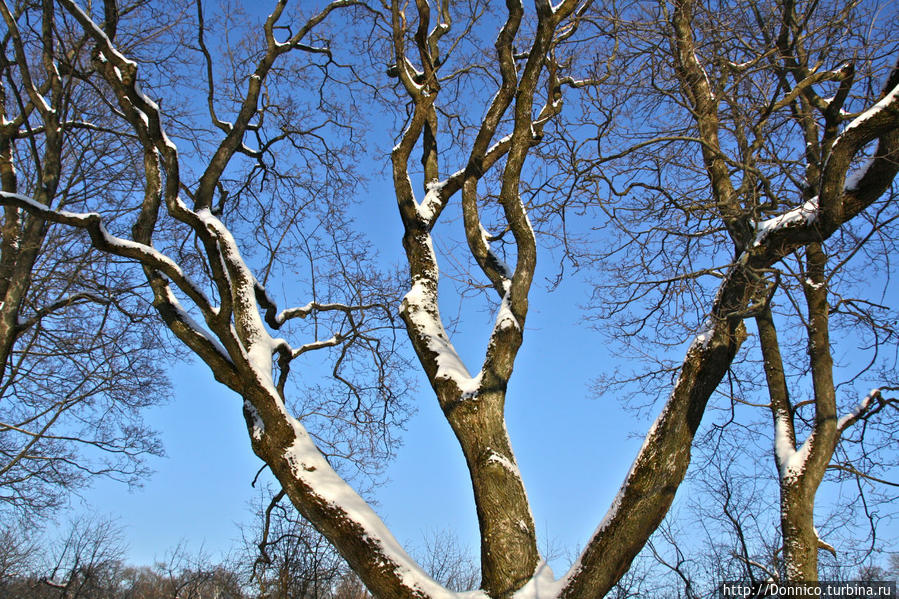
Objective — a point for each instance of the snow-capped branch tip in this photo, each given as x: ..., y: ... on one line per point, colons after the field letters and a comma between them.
x: 822, y: 544
x: 873, y: 402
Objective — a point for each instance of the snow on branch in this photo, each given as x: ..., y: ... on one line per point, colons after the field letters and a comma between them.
x: 864, y: 409
x: 790, y: 461
x: 420, y: 307
x: 434, y: 201
x: 92, y: 222
x: 199, y: 331
x: 884, y: 103
x: 799, y: 216
x: 314, y: 345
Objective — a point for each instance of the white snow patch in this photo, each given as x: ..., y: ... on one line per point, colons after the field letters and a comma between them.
x: 790, y: 461
x: 704, y: 336
x: 795, y: 464
x: 543, y: 585
x: 859, y: 409
x: 312, y: 469
x: 259, y: 354
x: 813, y: 285
x: 431, y: 202
x: 783, y: 444
x: 496, y: 458
x: 855, y: 177
x: 800, y: 215
x: 504, y: 316
x: 258, y: 426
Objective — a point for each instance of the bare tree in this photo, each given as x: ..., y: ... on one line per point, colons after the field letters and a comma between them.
x: 17, y: 554
x: 793, y: 55
x: 286, y: 557
x: 219, y: 302
x: 772, y: 158
x: 78, y: 359
x: 448, y: 561
x: 289, y: 213
x: 87, y: 559
x: 185, y: 575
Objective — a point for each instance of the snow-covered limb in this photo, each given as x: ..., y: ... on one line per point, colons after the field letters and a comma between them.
x: 120, y: 60
x: 194, y: 327
x: 419, y: 306
x: 890, y: 100
x: 333, y: 495
x: 195, y: 335
x: 860, y: 410
x: 799, y: 216
x: 92, y: 222
x: 309, y: 308
x: 256, y: 343
x: 314, y: 345
x: 141, y: 111
x: 34, y: 95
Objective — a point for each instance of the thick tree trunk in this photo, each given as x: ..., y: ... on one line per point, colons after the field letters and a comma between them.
x: 802, y: 470
x: 800, y: 541
x: 509, y: 553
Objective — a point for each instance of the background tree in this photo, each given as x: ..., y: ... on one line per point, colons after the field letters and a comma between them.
x: 17, y: 556
x: 87, y: 560
x: 775, y: 121
x: 78, y: 359
x: 286, y: 557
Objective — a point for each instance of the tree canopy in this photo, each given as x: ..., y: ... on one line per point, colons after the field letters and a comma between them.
x: 198, y: 163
